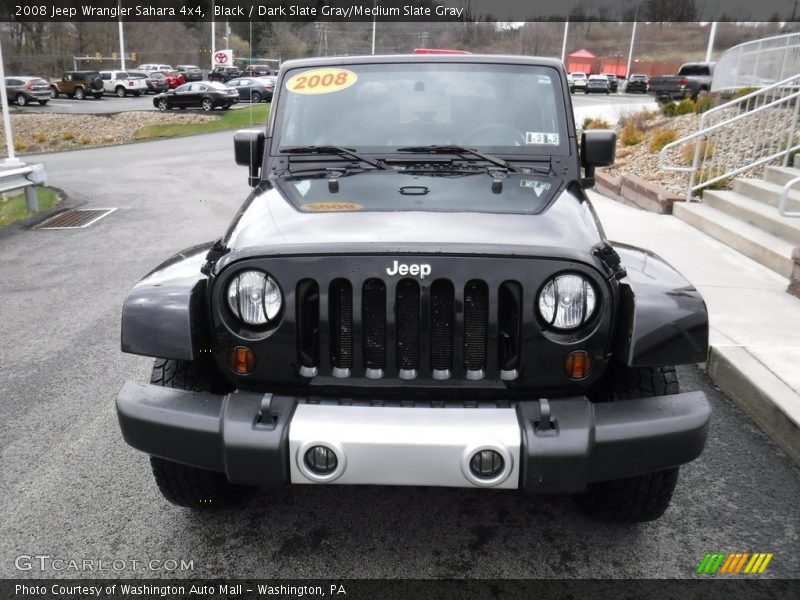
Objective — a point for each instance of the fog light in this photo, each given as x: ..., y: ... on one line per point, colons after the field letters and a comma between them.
x: 320, y: 460
x: 486, y: 464
x: 578, y: 364
x: 242, y: 360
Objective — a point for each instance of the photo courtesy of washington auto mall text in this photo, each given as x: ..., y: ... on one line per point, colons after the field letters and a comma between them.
x: 399, y: 299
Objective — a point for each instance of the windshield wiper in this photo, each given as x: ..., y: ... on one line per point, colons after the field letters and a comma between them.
x: 435, y: 149
x: 338, y: 150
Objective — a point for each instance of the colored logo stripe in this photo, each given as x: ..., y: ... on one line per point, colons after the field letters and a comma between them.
x: 735, y: 562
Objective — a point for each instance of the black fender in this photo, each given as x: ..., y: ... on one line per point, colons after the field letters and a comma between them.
x: 165, y: 315
x: 662, y: 318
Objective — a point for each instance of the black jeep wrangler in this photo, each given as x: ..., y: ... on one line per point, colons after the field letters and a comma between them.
x: 418, y: 292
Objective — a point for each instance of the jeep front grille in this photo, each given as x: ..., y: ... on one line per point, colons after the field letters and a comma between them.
x: 407, y: 330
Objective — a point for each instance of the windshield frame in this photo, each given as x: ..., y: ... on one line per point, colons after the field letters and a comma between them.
x: 533, y: 152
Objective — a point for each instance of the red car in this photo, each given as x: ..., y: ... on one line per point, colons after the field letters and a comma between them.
x: 174, y: 79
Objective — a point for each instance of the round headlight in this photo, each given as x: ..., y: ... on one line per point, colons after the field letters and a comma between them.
x: 254, y: 297
x: 567, y: 301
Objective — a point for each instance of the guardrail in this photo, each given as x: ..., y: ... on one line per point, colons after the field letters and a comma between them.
x: 736, y: 137
x: 24, y: 178
x: 757, y: 63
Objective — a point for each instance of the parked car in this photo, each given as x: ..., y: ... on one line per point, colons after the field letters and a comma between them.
x: 401, y: 303
x: 154, y: 67
x: 577, y: 81
x: 207, y: 95
x: 256, y: 71
x: 224, y: 74
x: 253, y: 89
x: 24, y: 89
x: 78, y: 85
x: 691, y: 80
x: 190, y: 72
x: 597, y: 84
x: 636, y: 84
x: 122, y: 84
x: 174, y: 79
x: 613, y: 82
x: 155, y: 80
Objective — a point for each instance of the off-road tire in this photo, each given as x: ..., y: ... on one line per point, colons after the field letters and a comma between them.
x: 53, y: 92
x: 21, y: 100
x: 182, y: 485
x: 43, y: 102
x: 79, y: 93
x: 644, y: 497
x: 97, y: 96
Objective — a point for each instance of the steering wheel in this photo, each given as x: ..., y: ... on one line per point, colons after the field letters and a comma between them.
x: 482, y: 135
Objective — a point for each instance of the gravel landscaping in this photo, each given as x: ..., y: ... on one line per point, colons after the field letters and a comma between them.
x: 36, y: 133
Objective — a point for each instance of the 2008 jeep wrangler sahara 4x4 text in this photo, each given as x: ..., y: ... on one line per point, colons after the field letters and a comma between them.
x: 418, y: 292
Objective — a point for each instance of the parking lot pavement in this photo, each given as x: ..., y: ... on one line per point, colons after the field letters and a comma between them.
x: 71, y: 488
x: 109, y: 104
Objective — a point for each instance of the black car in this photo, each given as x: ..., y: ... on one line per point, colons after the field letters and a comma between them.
x: 207, y: 95
x: 156, y: 81
x: 253, y: 89
x: 613, y: 83
x: 223, y: 74
x: 637, y: 84
x: 418, y: 292
x: 190, y: 72
x: 21, y: 90
x: 597, y: 84
x: 256, y: 71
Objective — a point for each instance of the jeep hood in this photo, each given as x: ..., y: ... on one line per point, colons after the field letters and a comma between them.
x: 360, y: 219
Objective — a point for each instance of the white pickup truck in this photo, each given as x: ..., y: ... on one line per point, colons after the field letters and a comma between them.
x: 118, y: 82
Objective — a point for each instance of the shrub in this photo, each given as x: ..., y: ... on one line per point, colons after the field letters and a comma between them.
x: 638, y: 119
x: 630, y: 135
x: 590, y: 123
x: 19, y: 145
x: 704, y: 102
x: 660, y: 138
x: 86, y: 141
x: 706, y: 149
x: 685, y: 107
x: 39, y: 138
x: 706, y: 174
x: 743, y: 92
x: 669, y: 109
x: 67, y: 136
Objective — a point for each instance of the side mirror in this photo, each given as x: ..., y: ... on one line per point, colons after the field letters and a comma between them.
x: 598, y: 148
x: 248, y: 150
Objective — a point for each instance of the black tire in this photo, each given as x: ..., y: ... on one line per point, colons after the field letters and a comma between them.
x: 137, y: 94
x: 207, y: 105
x: 255, y: 97
x: 43, y: 102
x: 21, y: 100
x: 97, y: 96
x: 97, y: 84
x: 644, y: 497
x: 53, y: 92
x: 79, y: 93
x: 183, y: 485
x: 163, y: 104
x: 121, y: 91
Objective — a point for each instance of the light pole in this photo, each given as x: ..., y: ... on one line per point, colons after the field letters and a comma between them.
x: 630, y: 51
x: 711, y: 35
x: 374, y: 22
x: 121, y: 42
x: 564, y: 43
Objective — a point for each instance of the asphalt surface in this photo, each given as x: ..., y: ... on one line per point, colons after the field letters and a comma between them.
x: 70, y: 488
x: 111, y: 104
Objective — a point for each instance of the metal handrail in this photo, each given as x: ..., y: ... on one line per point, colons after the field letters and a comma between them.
x: 757, y: 62
x: 776, y: 105
x: 784, y: 201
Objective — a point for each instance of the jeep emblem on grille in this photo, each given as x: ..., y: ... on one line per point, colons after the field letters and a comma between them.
x: 403, y: 269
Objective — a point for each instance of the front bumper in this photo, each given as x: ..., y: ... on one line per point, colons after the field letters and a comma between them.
x: 556, y: 446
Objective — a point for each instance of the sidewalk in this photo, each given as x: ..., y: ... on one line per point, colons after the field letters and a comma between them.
x: 755, y: 323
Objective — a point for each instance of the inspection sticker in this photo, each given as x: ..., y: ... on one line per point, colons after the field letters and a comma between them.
x: 331, y: 206
x: 537, y: 137
x: 321, y: 81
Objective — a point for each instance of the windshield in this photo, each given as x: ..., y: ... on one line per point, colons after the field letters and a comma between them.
x: 516, y: 109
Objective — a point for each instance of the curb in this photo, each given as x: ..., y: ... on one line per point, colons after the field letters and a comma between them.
x: 755, y: 389
x: 635, y: 191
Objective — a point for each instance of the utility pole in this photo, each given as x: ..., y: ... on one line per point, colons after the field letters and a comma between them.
x: 121, y: 43
x: 630, y: 51
x: 711, y: 35
x: 564, y: 43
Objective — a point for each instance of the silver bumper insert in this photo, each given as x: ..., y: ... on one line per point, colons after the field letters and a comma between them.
x: 405, y: 446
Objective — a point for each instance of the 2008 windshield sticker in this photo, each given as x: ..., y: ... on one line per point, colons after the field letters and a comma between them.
x: 536, y: 137
x: 321, y: 81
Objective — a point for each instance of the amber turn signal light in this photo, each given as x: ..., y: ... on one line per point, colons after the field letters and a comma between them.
x: 242, y: 360
x: 578, y: 364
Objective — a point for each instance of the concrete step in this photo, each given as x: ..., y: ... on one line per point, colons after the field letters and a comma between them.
x: 780, y: 175
x: 755, y: 213
x: 766, y: 192
x: 763, y: 247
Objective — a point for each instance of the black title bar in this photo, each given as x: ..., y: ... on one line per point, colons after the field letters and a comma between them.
x: 400, y: 10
